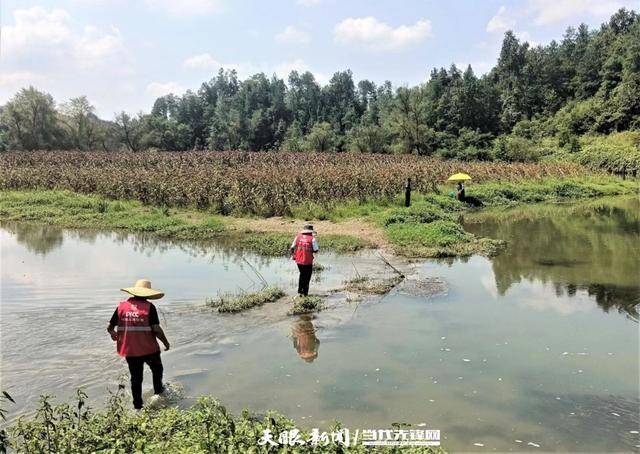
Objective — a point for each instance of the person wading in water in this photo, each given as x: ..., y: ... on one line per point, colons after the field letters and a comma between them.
x: 303, y: 248
x: 138, y: 327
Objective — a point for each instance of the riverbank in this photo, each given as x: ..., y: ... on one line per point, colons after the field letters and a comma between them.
x: 207, y: 427
x: 429, y: 228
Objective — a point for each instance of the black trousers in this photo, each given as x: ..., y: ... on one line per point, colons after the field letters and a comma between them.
x: 304, y: 279
x: 136, y: 369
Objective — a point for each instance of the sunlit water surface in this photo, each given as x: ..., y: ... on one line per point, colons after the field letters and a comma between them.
x: 538, y: 345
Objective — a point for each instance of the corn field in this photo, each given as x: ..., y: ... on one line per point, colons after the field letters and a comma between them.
x: 266, y: 184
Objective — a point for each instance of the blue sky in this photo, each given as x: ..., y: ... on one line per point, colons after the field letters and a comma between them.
x: 124, y: 53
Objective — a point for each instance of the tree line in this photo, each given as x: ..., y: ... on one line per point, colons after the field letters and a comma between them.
x: 534, y: 98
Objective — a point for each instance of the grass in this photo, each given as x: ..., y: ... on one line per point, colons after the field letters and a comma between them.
x: 244, y: 301
x: 206, y: 427
x: 71, y: 210
x: 306, y: 305
x: 278, y: 244
x: 429, y: 228
x: 363, y: 284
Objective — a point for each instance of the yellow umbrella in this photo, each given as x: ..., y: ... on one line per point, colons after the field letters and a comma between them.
x: 459, y: 177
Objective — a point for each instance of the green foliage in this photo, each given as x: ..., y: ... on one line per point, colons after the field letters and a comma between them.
x: 321, y: 138
x: 244, y: 301
x: 29, y: 121
x: 513, y: 148
x: 205, y: 428
x: 617, y: 153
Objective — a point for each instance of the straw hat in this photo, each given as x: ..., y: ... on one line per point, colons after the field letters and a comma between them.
x: 307, y: 229
x: 142, y: 289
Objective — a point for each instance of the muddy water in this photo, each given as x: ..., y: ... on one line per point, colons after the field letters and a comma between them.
x: 538, y: 345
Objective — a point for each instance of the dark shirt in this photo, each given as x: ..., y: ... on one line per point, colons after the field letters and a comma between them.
x: 153, y: 316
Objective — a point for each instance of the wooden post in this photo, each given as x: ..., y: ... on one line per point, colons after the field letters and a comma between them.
x: 407, y: 193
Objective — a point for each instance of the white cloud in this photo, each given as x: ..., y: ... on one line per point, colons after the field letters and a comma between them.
x: 46, y: 38
x: 206, y: 62
x: 526, y: 37
x: 185, y: 7
x: 36, y: 28
x: 292, y: 35
x: 547, y: 12
x: 157, y: 89
x: 501, y: 22
x: 372, y: 34
x: 12, y: 82
x: 202, y: 61
x: 308, y: 2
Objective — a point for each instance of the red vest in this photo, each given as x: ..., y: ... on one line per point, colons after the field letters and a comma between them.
x: 304, y: 249
x: 135, y: 337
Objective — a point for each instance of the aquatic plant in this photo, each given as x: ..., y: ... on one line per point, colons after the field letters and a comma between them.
x: 363, y: 284
x: 244, y: 301
x: 306, y: 305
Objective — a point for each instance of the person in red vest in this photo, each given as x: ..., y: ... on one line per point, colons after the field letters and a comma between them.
x: 303, y: 248
x: 138, y: 328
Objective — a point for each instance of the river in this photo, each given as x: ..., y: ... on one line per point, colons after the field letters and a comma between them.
x: 535, y: 347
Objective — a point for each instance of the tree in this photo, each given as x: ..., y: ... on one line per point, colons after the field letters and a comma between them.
x: 368, y: 139
x: 129, y: 131
x: 31, y: 122
x: 510, y: 81
x: 408, y: 122
x: 82, y: 123
x: 304, y: 100
x: 321, y: 138
x: 340, y: 107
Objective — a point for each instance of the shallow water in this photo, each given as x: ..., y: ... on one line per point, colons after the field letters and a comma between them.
x: 539, y: 344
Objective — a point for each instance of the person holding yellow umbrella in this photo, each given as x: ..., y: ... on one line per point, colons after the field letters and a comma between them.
x: 460, y: 178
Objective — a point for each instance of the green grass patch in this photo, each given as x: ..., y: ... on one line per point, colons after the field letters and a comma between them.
x: 72, y: 210
x: 429, y: 228
x: 551, y: 190
x: 244, y: 301
x: 306, y: 305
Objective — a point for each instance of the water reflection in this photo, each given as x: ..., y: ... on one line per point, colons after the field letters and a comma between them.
x: 304, y: 338
x: 37, y: 238
x: 591, y: 248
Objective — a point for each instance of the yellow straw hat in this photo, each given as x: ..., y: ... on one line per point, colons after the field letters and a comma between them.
x: 142, y: 289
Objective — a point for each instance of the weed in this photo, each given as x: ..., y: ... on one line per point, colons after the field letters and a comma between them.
x: 244, y: 301
x: 306, y: 305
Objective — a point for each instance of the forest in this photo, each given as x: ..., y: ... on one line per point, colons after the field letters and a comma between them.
x: 577, y: 98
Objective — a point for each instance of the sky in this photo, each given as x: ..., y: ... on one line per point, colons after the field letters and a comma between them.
x: 122, y: 54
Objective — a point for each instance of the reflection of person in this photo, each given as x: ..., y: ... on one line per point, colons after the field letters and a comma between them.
x: 138, y: 327
x: 303, y: 248
x: 460, y: 194
x: 304, y: 339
